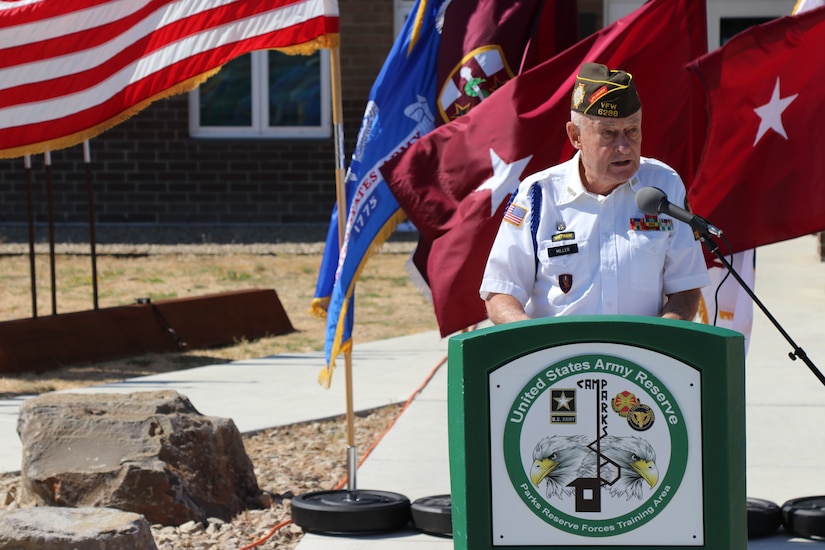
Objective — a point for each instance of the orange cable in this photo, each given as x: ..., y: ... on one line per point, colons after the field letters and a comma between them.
x: 369, y: 450
x: 266, y: 537
x: 409, y: 401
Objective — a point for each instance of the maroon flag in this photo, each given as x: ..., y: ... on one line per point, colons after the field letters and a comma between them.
x: 762, y: 176
x: 454, y: 182
x: 485, y: 43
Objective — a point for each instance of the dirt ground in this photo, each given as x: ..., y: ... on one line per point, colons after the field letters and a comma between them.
x: 387, y: 303
x: 286, y: 458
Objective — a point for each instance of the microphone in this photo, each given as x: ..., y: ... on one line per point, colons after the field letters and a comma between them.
x: 652, y: 200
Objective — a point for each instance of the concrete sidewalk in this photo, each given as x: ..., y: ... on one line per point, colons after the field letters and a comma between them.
x: 785, y: 402
x: 274, y: 391
x: 785, y: 407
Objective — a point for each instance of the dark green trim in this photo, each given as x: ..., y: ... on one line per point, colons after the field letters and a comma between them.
x: 718, y: 354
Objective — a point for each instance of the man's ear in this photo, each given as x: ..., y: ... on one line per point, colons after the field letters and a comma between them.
x: 573, y: 134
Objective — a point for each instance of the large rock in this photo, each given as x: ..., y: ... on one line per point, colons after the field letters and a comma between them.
x: 150, y: 453
x: 51, y: 528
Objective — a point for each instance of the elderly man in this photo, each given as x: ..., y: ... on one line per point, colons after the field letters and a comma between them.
x: 573, y: 241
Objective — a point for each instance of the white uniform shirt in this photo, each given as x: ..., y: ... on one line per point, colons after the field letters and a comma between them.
x: 596, y: 254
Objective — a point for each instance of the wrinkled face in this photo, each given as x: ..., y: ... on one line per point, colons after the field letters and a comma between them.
x: 610, y: 148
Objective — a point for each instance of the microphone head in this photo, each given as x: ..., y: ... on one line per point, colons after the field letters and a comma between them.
x: 650, y: 199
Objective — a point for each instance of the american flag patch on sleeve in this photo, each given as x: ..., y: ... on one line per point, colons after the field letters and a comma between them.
x: 515, y: 214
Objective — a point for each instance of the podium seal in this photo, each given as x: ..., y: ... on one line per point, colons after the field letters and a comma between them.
x: 595, y: 445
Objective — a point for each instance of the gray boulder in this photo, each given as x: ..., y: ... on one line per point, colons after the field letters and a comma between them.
x: 150, y: 453
x: 52, y: 528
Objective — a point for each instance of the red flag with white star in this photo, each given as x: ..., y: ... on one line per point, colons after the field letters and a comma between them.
x: 454, y: 182
x: 762, y: 175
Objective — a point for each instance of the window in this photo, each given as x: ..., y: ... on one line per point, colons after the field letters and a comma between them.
x: 265, y: 94
x: 729, y: 17
x: 731, y: 26
x: 402, y: 10
x: 725, y: 17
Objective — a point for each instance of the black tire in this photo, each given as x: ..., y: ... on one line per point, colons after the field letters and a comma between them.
x: 359, y: 511
x: 764, y: 518
x: 433, y: 515
x: 805, y: 517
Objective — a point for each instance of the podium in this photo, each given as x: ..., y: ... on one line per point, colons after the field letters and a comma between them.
x: 597, y: 431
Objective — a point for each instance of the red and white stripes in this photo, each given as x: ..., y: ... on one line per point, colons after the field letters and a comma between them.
x: 70, y: 70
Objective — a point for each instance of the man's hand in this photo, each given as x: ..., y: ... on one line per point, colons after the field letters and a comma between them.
x: 503, y: 308
x: 682, y: 305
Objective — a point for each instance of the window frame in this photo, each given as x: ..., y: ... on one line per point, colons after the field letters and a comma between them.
x: 731, y: 9
x: 716, y: 11
x: 260, y: 129
x: 402, y: 9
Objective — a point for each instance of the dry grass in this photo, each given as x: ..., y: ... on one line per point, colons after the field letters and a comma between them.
x: 387, y: 304
x: 285, y: 457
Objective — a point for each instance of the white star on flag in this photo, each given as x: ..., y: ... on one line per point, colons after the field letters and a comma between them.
x: 505, y: 179
x: 771, y: 114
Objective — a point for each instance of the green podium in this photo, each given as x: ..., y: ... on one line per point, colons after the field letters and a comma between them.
x: 591, y: 432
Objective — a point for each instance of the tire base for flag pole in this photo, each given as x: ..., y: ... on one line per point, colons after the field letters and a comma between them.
x: 764, y: 518
x: 351, y: 511
x: 433, y: 515
x: 805, y: 517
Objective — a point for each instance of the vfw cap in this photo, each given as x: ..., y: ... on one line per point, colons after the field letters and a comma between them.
x: 604, y: 92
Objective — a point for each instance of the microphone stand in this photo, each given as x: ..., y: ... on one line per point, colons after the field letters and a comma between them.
x: 797, y: 352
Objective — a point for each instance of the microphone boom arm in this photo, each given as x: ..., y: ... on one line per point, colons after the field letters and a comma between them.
x: 797, y: 352
x: 652, y: 200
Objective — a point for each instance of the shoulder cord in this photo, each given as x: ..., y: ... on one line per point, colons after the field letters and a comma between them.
x: 535, y: 206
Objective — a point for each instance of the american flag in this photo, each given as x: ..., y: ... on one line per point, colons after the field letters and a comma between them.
x: 515, y: 214
x: 70, y: 70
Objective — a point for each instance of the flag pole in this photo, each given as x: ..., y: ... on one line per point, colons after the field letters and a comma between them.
x: 50, y: 205
x: 349, y: 509
x: 27, y: 168
x: 87, y: 161
x: 341, y: 198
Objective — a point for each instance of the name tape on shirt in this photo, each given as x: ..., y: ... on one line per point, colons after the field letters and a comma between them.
x: 563, y: 250
x: 568, y: 236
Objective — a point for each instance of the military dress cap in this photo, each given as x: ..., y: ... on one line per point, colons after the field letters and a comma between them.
x: 603, y: 92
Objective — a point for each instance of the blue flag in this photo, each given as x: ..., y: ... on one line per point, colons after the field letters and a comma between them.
x: 399, y: 111
x: 329, y: 263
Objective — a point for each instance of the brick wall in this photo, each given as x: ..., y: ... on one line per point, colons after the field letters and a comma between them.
x: 148, y: 170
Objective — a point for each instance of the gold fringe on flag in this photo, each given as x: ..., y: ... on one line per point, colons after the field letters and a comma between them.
x: 338, y: 347
x: 63, y: 142
x: 319, y: 307
x: 93, y: 131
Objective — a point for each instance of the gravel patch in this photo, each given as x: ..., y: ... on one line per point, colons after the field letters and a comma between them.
x: 288, y: 461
